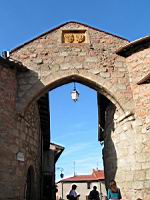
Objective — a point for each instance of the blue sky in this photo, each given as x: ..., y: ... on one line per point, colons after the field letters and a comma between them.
x: 21, y: 21
x: 74, y: 126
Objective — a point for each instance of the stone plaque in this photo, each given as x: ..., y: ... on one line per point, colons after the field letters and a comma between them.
x: 74, y: 36
x: 20, y: 156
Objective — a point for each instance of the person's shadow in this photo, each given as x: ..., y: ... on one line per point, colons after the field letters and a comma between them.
x: 109, y: 151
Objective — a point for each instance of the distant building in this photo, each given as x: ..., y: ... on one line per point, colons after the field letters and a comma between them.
x: 84, y: 184
x: 49, y: 160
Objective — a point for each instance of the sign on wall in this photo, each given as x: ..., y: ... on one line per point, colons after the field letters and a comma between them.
x: 20, y: 156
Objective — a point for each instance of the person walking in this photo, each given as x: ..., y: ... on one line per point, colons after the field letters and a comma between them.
x: 73, y: 194
x: 94, y: 194
x: 114, y: 192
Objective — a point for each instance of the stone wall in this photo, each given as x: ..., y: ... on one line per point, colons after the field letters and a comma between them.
x: 94, y: 63
x: 51, y: 62
x: 129, y: 138
x: 139, y: 66
x: 16, y: 135
x: 56, y: 58
x: 118, y: 152
x: 29, y: 140
x: 8, y: 139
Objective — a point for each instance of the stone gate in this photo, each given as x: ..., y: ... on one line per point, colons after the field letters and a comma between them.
x: 120, y: 73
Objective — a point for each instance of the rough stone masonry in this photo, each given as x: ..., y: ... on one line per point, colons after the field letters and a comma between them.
x: 112, y: 66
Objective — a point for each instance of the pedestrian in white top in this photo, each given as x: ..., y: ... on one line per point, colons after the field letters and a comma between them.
x: 73, y: 194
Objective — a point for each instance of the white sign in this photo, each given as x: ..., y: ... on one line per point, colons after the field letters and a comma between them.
x: 20, y: 156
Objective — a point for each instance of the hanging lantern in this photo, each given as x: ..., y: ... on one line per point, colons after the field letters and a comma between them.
x: 75, y: 94
x: 61, y: 175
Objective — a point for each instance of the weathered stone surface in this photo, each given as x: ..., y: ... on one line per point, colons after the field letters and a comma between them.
x: 13, y: 138
x: 93, y: 62
x: 94, y: 54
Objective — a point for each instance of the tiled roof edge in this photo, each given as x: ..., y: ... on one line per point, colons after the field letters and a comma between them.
x: 124, y: 51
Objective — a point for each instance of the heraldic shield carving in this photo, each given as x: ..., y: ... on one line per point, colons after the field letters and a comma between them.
x: 74, y: 36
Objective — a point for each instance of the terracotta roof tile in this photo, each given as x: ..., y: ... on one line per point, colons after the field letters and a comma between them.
x: 99, y: 174
x: 95, y: 176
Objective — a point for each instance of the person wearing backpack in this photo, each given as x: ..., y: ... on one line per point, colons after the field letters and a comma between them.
x: 94, y: 194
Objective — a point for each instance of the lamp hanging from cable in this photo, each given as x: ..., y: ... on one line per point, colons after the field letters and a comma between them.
x: 75, y: 94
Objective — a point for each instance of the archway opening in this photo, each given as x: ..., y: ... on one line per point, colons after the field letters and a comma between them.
x: 105, y: 110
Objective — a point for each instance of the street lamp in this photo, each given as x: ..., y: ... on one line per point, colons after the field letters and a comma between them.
x: 61, y: 171
x: 61, y: 175
x: 75, y: 94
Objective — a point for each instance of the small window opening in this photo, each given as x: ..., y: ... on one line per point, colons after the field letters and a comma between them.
x: 88, y: 185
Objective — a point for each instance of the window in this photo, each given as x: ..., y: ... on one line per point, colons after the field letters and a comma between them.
x: 88, y: 185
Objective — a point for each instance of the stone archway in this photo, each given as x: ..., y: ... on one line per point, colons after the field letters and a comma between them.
x: 51, y: 57
x: 115, y: 115
x: 54, y: 59
x: 57, y: 79
x: 71, y: 52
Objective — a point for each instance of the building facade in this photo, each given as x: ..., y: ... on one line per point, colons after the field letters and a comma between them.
x: 117, y: 69
x: 84, y: 184
x: 49, y: 160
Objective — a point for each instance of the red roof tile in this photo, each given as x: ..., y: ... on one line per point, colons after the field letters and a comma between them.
x: 99, y: 174
x: 95, y: 176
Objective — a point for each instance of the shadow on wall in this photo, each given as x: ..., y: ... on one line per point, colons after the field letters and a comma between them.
x: 27, y: 81
x: 109, y: 151
x: 31, y: 88
x: 30, y: 184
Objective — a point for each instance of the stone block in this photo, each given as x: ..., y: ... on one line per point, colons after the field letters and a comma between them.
x: 92, y: 59
x: 138, y: 185
x: 65, y: 66
x: 148, y: 174
x: 146, y: 165
x: 147, y: 184
x: 118, y: 75
x: 95, y: 71
x: 139, y: 175
x: 38, y: 61
x: 105, y: 74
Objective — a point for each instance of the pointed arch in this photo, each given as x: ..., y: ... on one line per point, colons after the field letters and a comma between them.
x: 58, y: 79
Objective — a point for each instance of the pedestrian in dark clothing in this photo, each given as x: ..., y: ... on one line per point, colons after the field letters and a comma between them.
x: 94, y: 194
